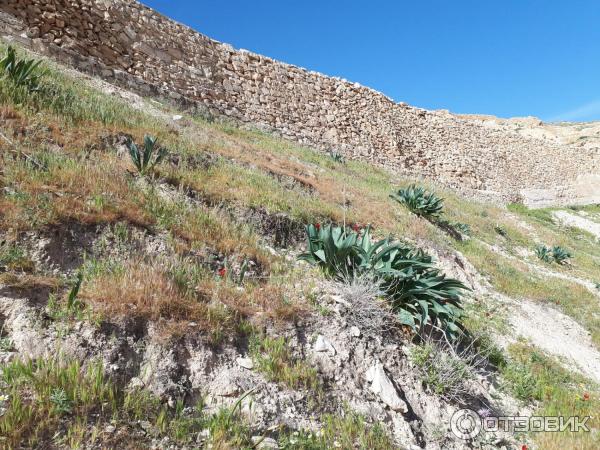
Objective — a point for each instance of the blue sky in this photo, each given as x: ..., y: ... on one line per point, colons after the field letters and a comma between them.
x: 503, y: 57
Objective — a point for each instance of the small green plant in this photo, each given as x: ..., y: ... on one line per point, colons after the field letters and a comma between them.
x: 14, y: 258
x: 597, y: 285
x: 72, y: 301
x: 22, y: 72
x: 501, y: 230
x: 60, y: 401
x: 463, y: 228
x: 337, y: 157
x: 147, y: 158
x: 544, y: 253
x: 273, y: 357
x: 560, y: 255
x: 346, y: 431
x: 420, y: 201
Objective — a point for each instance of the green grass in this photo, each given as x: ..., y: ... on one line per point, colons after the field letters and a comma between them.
x: 73, y: 102
x: 531, y: 376
x: 14, y: 258
x: 348, y: 431
x: 49, y: 402
x: 58, y: 403
x: 273, y: 357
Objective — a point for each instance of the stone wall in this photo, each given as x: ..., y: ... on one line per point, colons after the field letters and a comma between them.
x: 132, y: 45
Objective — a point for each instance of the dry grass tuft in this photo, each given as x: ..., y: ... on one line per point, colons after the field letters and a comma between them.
x: 142, y: 290
x: 153, y: 292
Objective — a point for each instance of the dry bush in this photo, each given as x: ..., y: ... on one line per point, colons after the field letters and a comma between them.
x: 364, y: 305
x: 141, y: 290
x: 448, y: 368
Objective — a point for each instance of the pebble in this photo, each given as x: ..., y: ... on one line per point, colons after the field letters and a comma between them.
x: 246, y: 363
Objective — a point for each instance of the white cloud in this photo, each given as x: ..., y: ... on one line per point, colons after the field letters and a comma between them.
x: 589, y: 111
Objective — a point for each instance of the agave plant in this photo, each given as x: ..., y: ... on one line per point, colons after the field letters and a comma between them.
x: 148, y: 157
x: 463, y: 228
x: 333, y: 249
x: 337, y: 157
x: 420, y: 201
x: 544, y: 253
x: 22, y: 72
x: 418, y: 293
x: 560, y: 255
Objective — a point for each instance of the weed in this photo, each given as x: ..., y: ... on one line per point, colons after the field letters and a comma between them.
x: 147, y: 158
x: 60, y: 401
x: 337, y: 157
x: 72, y: 301
x: 57, y: 401
x: 273, y: 357
x: 366, y: 307
x: 447, y: 367
x: 14, y: 258
x: 348, y: 431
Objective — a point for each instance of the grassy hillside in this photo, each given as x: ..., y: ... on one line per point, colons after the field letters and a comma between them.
x: 230, y: 205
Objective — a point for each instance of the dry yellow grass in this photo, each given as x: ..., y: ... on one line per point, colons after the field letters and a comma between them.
x: 214, y: 304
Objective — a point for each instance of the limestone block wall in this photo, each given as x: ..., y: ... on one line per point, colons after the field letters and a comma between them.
x: 132, y: 45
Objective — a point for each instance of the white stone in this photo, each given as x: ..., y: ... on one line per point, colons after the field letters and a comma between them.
x: 246, y: 363
x: 354, y: 331
x: 323, y: 345
x: 264, y: 442
x: 382, y: 386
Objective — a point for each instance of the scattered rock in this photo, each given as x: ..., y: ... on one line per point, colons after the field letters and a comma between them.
x: 246, y: 363
x: 323, y: 345
x: 384, y: 388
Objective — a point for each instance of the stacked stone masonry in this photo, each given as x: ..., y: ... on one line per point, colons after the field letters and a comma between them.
x: 129, y: 44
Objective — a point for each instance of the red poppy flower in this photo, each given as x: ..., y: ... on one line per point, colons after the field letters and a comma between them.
x: 524, y: 447
x: 586, y: 396
x: 318, y: 226
x: 222, y: 272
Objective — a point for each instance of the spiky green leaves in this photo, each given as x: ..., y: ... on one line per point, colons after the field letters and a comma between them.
x: 418, y: 292
x: 21, y: 71
x: 333, y: 249
x: 544, y: 253
x: 560, y: 255
x: 419, y: 201
x: 556, y: 254
x: 146, y: 158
